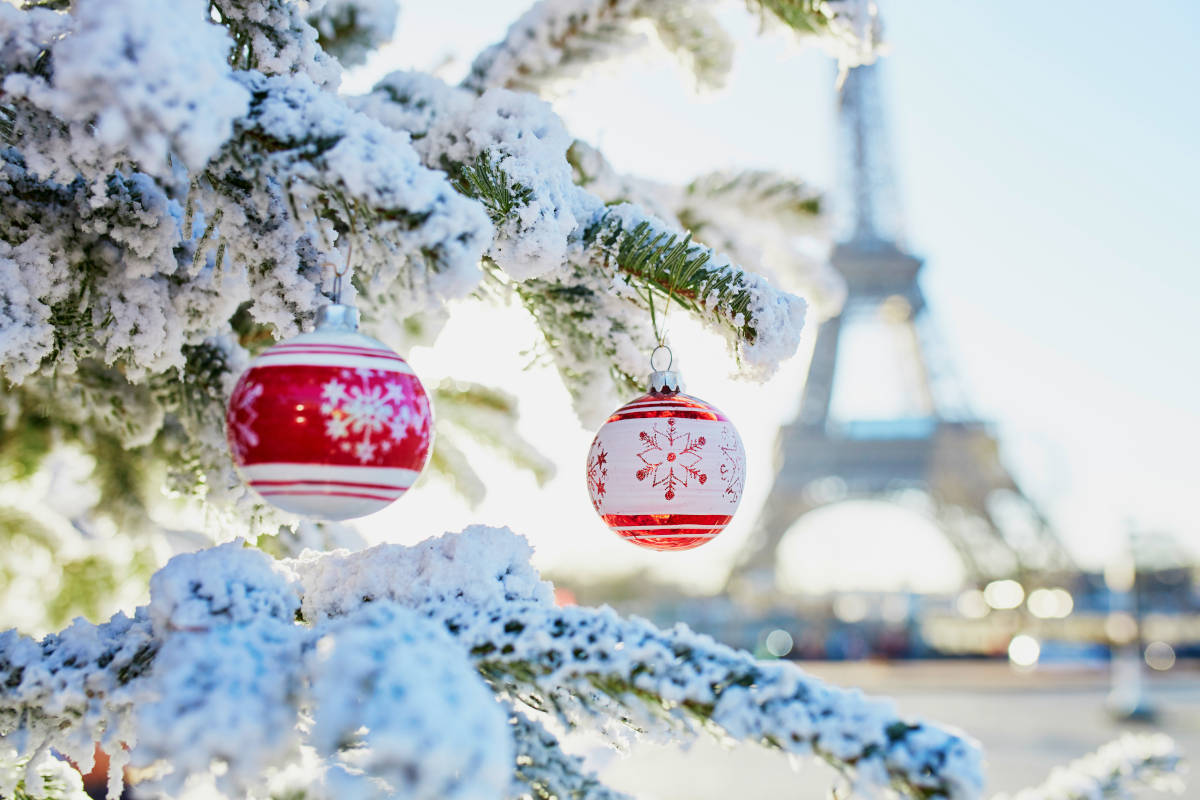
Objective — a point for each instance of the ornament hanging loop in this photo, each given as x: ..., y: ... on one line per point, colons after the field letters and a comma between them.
x: 336, y: 316
x: 664, y: 380
x: 654, y: 354
x: 339, y: 272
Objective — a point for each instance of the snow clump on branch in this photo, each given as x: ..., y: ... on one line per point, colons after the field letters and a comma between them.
x: 135, y: 79
x: 393, y: 667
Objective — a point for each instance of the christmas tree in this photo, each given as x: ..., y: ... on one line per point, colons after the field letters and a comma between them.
x: 181, y: 185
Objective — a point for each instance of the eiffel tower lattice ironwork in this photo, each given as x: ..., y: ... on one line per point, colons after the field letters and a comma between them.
x: 928, y: 442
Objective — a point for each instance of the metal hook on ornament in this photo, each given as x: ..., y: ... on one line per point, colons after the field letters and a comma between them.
x: 335, y: 315
x: 664, y: 380
x: 340, y: 270
x: 670, y: 358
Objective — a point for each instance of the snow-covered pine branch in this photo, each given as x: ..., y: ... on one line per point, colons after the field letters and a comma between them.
x: 51, y: 780
x: 758, y: 193
x: 757, y: 217
x: 352, y: 29
x: 488, y: 416
x: 545, y: 771
x: 582, y: 267
x: 380, y: 662
x: 556, y: 41
x: 1114, y: 772
x: 849, y: 30
x: 174, y: 180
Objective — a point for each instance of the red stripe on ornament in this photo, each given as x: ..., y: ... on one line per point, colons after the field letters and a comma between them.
x: 329, y: 494
x: 325, y: 482
x: 699, y: 520
x: 356, y: 348
x: 668, y: 412
x: 323, y: 350
x: 682, y: 406
x: 645, y: 530
x: 673, y: 543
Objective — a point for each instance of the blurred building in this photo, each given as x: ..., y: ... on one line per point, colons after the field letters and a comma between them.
x: 881, y: 413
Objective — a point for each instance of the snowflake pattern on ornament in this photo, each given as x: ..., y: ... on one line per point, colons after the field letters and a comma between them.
x: 671, y: 458
x: 358, y: 410
x: 242, y: 417
x: 597, y: 475
x: 732, y: 472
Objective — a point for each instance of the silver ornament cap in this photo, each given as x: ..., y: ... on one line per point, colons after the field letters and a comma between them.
x: 664, y: 381
x: 337, y: 317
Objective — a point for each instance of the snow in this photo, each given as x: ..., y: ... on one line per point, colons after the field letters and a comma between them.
x: 522, y: 136
x: 545, y: 238
x: 1114, y: 770
x: 138, y: 78
x: 381, y: 688
x: 478, y: 568
x: 360, y: 26
x: 556, y: 41
x: 230, y: 584
x: 536, y: 45
x: 434, y: 730
x: 278, y: 40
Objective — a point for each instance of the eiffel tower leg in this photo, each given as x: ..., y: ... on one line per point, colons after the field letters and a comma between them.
x: 818, y: 386
x: 755, y: 572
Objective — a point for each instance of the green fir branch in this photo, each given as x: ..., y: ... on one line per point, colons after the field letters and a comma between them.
x: 581, y: 39
x: 545, y: 772
x: 696, y: 39
x: 486, y: 181
x: 8, y: 131
x: 52, y: 5
x: 803, y: 16
x: 521, y: 680
x: 197, y: 389
x: 671, y: 266
x: 759, y: 193
x: 489, y: 416
x: 564, y: 310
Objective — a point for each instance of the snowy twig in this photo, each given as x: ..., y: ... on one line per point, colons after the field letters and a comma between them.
x: 544, y: 771
x: 1114, y: 772
x: 580, y: 663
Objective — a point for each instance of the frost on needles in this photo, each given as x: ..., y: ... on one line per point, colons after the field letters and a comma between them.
x: 378, y: 674
x: 175, y: 178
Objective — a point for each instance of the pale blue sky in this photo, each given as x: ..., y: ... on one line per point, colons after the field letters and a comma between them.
x: 1045, y: 157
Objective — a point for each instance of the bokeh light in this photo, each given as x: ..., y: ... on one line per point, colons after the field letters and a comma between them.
x: 850, y: 607
x: 1003, y: 594
x: 1120, y: 627
x: 1050, y: 603
x: 1024, y: 650
x: 779, y: 643
x: 972, y: 605
x: 1160, y: 656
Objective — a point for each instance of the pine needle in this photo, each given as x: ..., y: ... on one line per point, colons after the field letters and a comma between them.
x: 485, y: 181
x: 671, y: 265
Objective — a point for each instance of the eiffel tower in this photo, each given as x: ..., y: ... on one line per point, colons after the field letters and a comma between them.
x: 920, y: 437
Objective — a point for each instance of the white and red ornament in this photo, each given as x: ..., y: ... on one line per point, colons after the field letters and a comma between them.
x: 330, y: 424
x: 667, y: 470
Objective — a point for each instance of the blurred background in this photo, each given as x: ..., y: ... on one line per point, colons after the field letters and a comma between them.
x: 975, y: 488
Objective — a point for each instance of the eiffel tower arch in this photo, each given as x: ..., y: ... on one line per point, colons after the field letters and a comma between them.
x: 914, y: 434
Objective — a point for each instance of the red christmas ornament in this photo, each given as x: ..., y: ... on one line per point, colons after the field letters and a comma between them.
x: 667, y: 470
x: 330, y: 424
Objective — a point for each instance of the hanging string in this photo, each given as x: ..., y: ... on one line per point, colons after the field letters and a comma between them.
x: 339, y: 271
x: 670, y: 358
x: 660, y: 333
